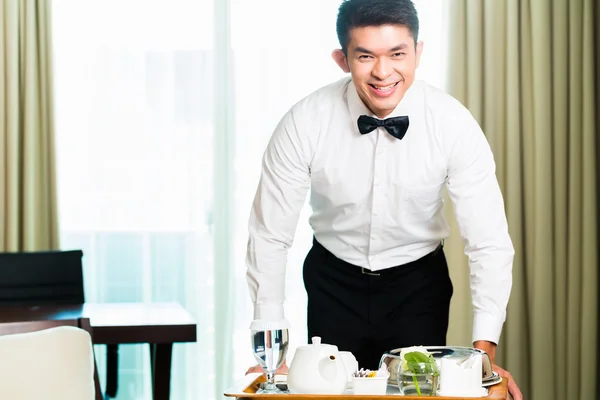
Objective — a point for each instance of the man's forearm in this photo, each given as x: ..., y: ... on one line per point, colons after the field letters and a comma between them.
x: 266, y: 276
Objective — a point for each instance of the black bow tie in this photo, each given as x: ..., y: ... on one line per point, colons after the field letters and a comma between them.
x: 396, y: 126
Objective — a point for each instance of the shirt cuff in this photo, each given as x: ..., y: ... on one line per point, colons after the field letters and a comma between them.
x: 269, y: 311
x: 487, y: 327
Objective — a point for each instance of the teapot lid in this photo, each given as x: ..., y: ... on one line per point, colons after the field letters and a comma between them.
x: 316, y: 342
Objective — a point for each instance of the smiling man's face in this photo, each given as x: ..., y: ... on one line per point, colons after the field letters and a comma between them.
x: 382, y: 61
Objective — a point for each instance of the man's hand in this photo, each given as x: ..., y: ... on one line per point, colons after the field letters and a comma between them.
x: 257, y: 368
x: 490, y: 349
x: 513, y: 389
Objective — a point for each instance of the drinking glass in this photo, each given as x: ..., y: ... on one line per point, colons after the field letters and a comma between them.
x: 422, y: 381
x: 270, y: 348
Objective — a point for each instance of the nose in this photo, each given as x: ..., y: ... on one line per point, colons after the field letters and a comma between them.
x: 382, y: 69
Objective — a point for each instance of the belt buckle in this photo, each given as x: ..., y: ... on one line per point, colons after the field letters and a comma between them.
x: 367, y: 272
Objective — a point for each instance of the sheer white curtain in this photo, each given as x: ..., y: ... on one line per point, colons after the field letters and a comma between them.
x: 135, y: 160
x: 144, y: 142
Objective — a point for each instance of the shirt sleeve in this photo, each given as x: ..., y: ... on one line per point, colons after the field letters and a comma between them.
x: 479, y: 209
x: 282, y: 189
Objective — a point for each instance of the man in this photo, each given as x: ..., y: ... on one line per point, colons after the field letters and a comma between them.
x: 376, y: 150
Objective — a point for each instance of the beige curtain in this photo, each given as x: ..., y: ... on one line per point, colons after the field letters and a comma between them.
x: 525, y: 69
x: 28, y: 209
x: 597, y: 60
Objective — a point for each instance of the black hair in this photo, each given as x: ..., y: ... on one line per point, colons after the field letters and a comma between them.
x: 360, y: 13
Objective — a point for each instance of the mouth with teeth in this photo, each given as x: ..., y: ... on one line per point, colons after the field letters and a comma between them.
x: 383, y: 91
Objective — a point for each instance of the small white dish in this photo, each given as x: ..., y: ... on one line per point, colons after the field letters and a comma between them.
x: 495, y: 379
x: 372, y: 386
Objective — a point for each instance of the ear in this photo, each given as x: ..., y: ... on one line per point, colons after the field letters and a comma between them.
x: 340, y: 59
x: 418, y: 51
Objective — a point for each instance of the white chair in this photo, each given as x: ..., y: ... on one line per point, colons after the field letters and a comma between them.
x: 54, y: 363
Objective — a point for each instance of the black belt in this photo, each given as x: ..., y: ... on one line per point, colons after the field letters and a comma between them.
x: 366, y: 271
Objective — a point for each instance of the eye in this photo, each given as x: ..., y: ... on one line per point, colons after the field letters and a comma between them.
x: 364, y: 57
x: 400, y: 54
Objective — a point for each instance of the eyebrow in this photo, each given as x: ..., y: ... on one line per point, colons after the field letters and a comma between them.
x: 396, y: 48
x: 399, y: 47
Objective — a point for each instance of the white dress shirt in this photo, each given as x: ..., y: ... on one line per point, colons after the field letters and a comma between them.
x: 377, y: 201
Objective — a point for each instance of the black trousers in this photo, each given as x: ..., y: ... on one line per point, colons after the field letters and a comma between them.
x: 407, y: 305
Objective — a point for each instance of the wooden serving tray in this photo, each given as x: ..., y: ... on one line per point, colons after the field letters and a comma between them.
x: 246, y: 389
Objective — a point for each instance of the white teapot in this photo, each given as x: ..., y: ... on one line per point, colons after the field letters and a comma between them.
x: 317, y: 369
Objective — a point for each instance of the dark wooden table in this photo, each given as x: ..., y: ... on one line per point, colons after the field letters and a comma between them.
x: 158, y: 324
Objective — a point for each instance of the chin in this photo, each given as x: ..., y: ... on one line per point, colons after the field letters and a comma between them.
x: 380, y: 106
x: 386, y: 107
